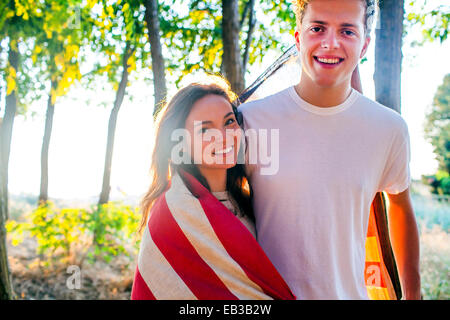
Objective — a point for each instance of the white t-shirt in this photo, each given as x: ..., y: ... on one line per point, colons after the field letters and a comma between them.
x: 312, y: 215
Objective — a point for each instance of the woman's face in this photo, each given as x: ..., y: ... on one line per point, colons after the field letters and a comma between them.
x: 214, y: 133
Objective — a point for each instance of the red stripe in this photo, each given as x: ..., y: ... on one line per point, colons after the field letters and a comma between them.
x: 372, y: 227
x: 140, y: 290
x: 240, y: 244
x: 183, y: 257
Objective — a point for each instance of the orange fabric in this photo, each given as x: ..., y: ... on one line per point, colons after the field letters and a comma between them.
x: 378, y: 283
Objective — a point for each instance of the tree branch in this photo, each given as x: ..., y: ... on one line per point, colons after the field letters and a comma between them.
x: 244, y: 14
x: 251, y: 27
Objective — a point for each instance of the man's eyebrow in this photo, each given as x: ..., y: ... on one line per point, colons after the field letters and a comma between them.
x: 345, y: 24
x: 351, y: 25
x: 319, y: 22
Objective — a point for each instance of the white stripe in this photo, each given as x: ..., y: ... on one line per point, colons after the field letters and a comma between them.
x: 158, y: 274
x: 189, y: 214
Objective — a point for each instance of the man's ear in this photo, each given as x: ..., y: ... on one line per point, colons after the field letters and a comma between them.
x: 297, y: 38
x: 365, y: 47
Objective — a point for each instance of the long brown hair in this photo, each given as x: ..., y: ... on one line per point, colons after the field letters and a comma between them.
x: 173, y: 116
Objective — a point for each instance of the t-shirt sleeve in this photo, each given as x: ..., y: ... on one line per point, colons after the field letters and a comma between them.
x: 396, y: 176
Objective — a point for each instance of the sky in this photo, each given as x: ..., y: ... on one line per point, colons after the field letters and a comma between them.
x: 78, y: 143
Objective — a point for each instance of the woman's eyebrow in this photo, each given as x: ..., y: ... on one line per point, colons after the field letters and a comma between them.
x: 197, y: 123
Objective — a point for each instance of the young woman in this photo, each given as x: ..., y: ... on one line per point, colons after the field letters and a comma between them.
x: 198, y: 233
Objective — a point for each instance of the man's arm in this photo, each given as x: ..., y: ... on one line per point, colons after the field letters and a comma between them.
x: 405, y: 242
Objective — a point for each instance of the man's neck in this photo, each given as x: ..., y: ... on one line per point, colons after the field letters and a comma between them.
x: 323, y: 97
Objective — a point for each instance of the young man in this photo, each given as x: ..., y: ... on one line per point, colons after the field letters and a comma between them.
x: 337, y: 149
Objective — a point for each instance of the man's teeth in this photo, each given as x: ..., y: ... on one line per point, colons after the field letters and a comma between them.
x: 224, y: 151
x: 330, y: 61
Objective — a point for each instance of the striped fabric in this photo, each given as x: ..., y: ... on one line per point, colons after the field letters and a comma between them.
x: 195, y: 248
x: 381, y: 276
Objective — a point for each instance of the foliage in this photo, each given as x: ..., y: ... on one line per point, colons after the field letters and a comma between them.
x: 67, y: 234
x: 437, y: 126
x: 18, y: 22
x: 118, y: 26
x: 113, y: 224
x: 192, y: 33
x: 440, y: 182
x: 434, y: 21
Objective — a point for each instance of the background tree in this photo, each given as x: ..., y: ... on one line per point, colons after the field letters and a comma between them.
x: 437, y: 126
x: 158, y: 63
x: 193, y: 34
x: 388, y: 54
x: 120, y: 38
x: 391, y: 28
x: 6, y: 291
x: 15, y: 28
x: 233, y: 68
x: 18, y: 23
x: 437, y: 130
x: 56, y: 56
x: 433, y: 20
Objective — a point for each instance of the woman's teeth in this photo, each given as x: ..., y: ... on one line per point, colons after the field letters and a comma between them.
x: 224, y: 151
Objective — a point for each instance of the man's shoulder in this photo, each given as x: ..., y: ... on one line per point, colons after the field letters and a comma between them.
x: 380, y: 113
x: 268, y: 102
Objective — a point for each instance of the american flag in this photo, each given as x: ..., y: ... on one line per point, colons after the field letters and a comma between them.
x: 195, y: 248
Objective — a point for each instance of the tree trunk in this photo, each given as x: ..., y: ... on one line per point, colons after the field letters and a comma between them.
x: 232, y: 62
x: 388, y: 54
x: 6, y: 292
x: 6, y: 130
x: 43, y: 196
x: 158, y: 67
x: 120, y: 94
x: 251, y: 27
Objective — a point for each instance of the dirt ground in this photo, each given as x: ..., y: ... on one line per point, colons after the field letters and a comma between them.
x: 32, y: 280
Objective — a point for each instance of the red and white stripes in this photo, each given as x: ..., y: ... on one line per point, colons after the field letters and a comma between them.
x: 195, y: 248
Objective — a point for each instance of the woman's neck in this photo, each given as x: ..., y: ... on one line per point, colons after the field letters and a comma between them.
x: 216, y: 178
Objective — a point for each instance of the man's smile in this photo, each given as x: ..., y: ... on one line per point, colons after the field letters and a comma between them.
x: 328, y: 61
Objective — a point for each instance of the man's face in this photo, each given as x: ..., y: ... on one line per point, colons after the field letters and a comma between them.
x: 331, y: 40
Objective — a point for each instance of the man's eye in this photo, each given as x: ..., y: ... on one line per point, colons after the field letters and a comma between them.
x: 348, y: 32
x: 316, y: 29
x: 203, y: 130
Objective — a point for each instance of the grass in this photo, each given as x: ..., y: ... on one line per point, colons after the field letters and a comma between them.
x: 31, y: 281
x: 435, y: 263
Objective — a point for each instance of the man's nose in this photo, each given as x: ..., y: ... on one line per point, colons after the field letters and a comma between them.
x: 330, y: 41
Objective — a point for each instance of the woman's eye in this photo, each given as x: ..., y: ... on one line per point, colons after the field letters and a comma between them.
x: 203, y: 130
x: 230, y: 121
